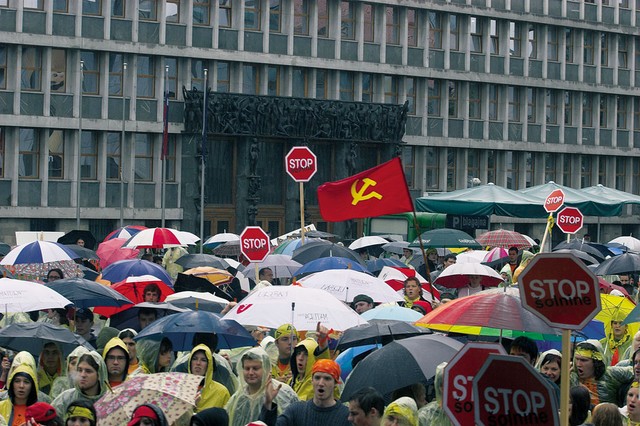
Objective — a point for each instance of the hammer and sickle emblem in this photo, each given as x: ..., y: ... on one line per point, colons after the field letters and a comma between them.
x: 359, y: 195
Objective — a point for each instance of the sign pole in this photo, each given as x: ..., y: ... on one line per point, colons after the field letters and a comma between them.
x: 547, y: 230
x: 564, y: 372
x: 257, y: 273
x: 301, y: 212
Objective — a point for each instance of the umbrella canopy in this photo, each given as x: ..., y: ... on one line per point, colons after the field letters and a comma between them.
x: 395, y: 276
x: 401, y: 363
x: 132, y: 288
x: 182, y: 327
x: 585, y: 257
x: 346, y: 357
x: 38, y: 252
x: 4, y: 249
x: 375, y: 265
x: 629, y: 242
x: 315, y: 250
x: 189, y: 261
x: 378, y: 331
x: 368, y: 241
x: 112, y: 251
x: 214, y: 275
x: 607, y: 287
x: 503, y: 238
x: 125, y: 232
x: 33, y: 336
x: 626, y: 262
x: 330, y: 263
x: 303, y: 307
x: 193, y: 283
x: 494, y: 254
x: 281, y: 264
x: 392, y: 312
x: 129, y: 317
x: 72, y: 237
x: 122, y: 269
x: 499, y: 308
x: 588, y: 204
x: 598, y: 251
x: 87, y: 294
x: 197, y: 301
x: 230, y: 248
x: 288, y: 246
x: 82, y: 252
x: 174, y: 393
x: 446, y: 237
x: 347, y: 284
x: 457, y: 275
x: 160, y: 238
x: 224, y: 237
x: 471, y: 256
x: 602, y: 191
x: 396, y: 247
x: 26, y: 296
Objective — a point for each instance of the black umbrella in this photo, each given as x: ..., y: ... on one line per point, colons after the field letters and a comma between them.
x: 585, y: 257
x: 379, y: 331
x: 32, y: 336
x: 626, y: 262
x: 319, y: 234
x: 189, y: 261
x: 599, y: 251
x: 446, y: 237
x: 129, y: 318
x: 72, y: 237
x: 230, y: 248
x: 4, y: 249
x: 82, y: 252
x: 316, y: 249
x: 401, y: 363
x: 186, y: 282
x: 88, y: 273
x: 87, y: 294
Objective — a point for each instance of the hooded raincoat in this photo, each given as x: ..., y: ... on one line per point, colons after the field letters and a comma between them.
x: 148, y: 350
x: 432, y: 414
x: 222, y: 374
x: 301, y: 380
x: 244, y: 407
x: 65, y: 382
x: 113, y: 343
x: 404, y: 410
x: 25, y: 358
x: 7, y: 406
x: 213, y: 394
x: 62, y: 401
x: 45, y: 379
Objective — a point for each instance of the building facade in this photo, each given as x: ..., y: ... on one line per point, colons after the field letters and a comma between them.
x: 515, y: 92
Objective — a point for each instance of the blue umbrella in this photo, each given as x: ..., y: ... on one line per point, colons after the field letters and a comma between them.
x: 38, y: 252
x: 345, y: 359
x: 392, y: 312
x: 181, y: 328
x: 123, y: 269
x: 324, y: 263
x: 32, y: 336
x: 374, y: 266
x: 86, y: 294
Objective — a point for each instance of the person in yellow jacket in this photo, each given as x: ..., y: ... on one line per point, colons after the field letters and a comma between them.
x: 304, y: 356
x: 50, y: 366
x: 286, y: 338
x: 23, y: 391
x: 213, y: 394
x: 116, y: 358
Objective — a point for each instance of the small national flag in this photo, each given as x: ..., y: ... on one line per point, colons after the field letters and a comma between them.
x: 374, y: 192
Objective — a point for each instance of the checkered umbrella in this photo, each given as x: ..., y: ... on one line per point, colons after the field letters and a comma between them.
x: 503, y: 238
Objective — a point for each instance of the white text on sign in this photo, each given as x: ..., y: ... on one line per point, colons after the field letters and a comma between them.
x: 300, y: 163
x: 254, y: 243
x: 462, y: 391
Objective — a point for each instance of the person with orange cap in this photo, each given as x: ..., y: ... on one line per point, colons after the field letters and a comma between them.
x: 322, y: 409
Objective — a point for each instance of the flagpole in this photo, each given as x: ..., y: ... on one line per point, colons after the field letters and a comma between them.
x: 424, y: 253
x: 122, y: 137
x: 202, y: 158
x: 79, y: 146
x: 165, y: 136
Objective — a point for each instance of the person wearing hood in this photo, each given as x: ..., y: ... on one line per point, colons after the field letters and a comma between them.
x: 148, y: 415
x: 245, y: 404
x: 80, y: 413
x: 50, y: 364
x: 401, y: 412
x: 201, y: 363
x: 127, y: 336
x: 92, y: 382
x: 155, y: 355
x: 505, y: 273
x: 116, y: 358
x: 64, y: 382
x: 433, y: 414
x: 23, y: 358
x: 527, y: 256
x: 618, y: 341
x: 210, y: 417
x: 23, y: 391
x: 549, y: 364
x: 286, y: 338
x: 303, y: 358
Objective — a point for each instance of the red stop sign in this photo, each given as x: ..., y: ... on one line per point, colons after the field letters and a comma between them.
x: 569, y: 220
x: 254, y: 243
x: 301, y: 164
x: 508, y: 391
x: 458, y: 380
x: 554, y: 201
x: 561, y: 290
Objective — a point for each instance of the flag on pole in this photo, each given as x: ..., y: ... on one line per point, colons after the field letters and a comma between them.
x: 374, y: 192
x: 165, y: 117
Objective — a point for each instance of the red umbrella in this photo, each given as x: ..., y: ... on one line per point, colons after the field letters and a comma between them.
x: 111, y: 251
x: 503, y: 238
x: 457, y: 275
x: 133, y: 289
x: 161, y: 238
x: 395, y: 276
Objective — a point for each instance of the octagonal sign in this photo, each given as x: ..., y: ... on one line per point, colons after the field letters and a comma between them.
x: 569, y: 220
x: 554, y: 201
x: 255, y: 244
x: 561, y: 290
x: 301, y: 164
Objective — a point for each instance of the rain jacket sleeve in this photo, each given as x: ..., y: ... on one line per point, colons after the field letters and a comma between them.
x: 432, y: 414
x: 213, y: 394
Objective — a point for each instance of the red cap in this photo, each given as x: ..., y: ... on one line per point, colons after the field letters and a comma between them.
x: 41, y: 412
x: 140, y: 412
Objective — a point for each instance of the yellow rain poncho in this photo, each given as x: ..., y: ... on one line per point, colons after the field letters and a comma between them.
x: 213, y: 394
x: 432, y: 414
x: 404, y: 410
x: 301, y: 380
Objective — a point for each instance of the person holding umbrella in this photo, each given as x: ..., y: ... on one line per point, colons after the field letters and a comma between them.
x: 91, y: 384
x: 213, y: 394
x: 23, y: 392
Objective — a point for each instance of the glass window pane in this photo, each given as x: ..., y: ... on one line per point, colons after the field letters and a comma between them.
x: 58, y: 70
x: 56, y: 153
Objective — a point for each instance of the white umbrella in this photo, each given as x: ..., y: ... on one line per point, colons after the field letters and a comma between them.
x: 396, y: 247
x: 633, y: 244
x: 27, y: 296
x: 303, y: 307
x: 471, y: 256
x: 197, y: 301
x: 281, y: 265
x: 345, y: 284
x: 38, y: 252
x: 161, y: 238
x: 221, y: 238
x: 368, y: 241
x: 457, y: 275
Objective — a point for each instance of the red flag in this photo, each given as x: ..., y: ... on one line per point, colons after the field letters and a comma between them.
x: 374, y: 192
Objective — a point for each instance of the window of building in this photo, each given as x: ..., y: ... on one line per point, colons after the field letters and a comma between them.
x: 409, y: 164
x: 435, y: 30
x: 115, y: 74
x: 393, y: 25
x: 92, y: 7
x: 114, y: 156
x: 197, y: 73
x: 513, y: 170
x: 434, y: 96
x: 172, y: 11
x: 91, y: 77
x: 515, y: 39
x: 589, y: 53
x: 223, y: 82
x: 61, y: 6
x: 321, y: 84
x: 273, y: 80
x: 603, y: 112
x: 252, y: 15
x: 454, y: 33
x: 635, y: 178
x: 412, y: 28
x: 367, y: 87
x: 172, y: 77
x: 347, y: 87
x: 201, y: 12
x: 494, y: 99
x: 56, y: 154
x: 432, y: 168
x: 390, y: 89
x: 475, y: 104
x: 89, y: 155
x: 451, y: 169
x: 34, y: 4
x: 31, y: 78
x: 532, y: 103
x: 170, y: 159
x: 552, y: 43
x: 550, y: 167
x: 347, y: 20
x: 368, y: 22
x: 143, y: 170
x: 551, y: 103
x: 454, y: 94
x: 323, y: 19
x: 624, y: 4
x: 146, y: 76
x: 301, y: 17
x: 604, y: 49
x: 532, y: 42
x: 473, y: 167
x: 621, y: 112
x: 275, y: 16
x: 637, y: 52
x: 569, y: 40
x: 225, y: 10
x: 568, y: 108
x: 585, y: 171
x: 3, y: 66
x: 494, y: 37
x: 491, y: 166
x: 587, y: 109
x: 250, y: 79
x: 147, y: 10
x: 529, y: 169
x: 58, y: 70
x: 514, y: 103
x: 621, y: 173
x: 475, y: 29
x: 300, y: 83
x: 636, y: 113
x: 29, y: 155
x: 410, y: 92
x: 623, y: 51
x: 2, y: 150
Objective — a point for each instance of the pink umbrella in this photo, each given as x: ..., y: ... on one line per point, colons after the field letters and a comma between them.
x: 111, y: 251
x: 495, y: 253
